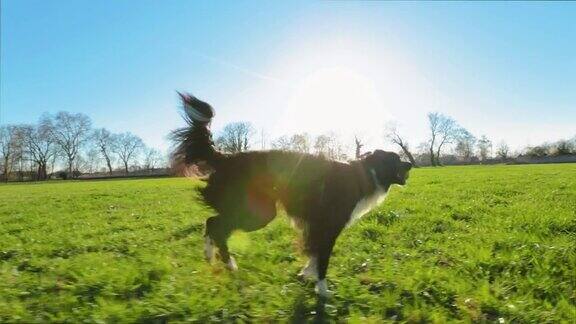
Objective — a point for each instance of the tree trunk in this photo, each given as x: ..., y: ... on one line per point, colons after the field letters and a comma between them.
x: 42, y: 173
x: 108, y: 164
x: 409, y: 155
x: 52, y: 164
x: 6, y: 169
x: 358, y: 148
x: 70, y: 167
x: 439, y: 150
x: 126, y: 166
x: 432, y: 162
x: 45, y: 171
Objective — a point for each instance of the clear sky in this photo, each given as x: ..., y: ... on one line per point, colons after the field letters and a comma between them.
x: 507, y: 70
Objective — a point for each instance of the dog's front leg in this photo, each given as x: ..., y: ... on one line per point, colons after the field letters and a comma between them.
x: 322, y: 285
x: 320, y: 239
x: 322, y: 259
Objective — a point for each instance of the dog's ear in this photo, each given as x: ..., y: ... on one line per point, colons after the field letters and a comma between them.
x: 369, y: 159
x: 385, y: 157
x: 364, y: 155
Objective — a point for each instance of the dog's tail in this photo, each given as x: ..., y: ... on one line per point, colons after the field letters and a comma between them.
x: 194, y: 143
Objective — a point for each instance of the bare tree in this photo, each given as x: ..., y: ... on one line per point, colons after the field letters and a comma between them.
x: 7, y: 138
x: 40, y: 144
x: 80, y: 165
x: 127, y: 146
x: 562, y: 147
x: 503, y: 150
x: 300, y: 143
x: 152, y: 158
x: 70, y: 133
x: 538, y: 150
x: 448, y: 130
x: 329, y: 146
x: 358, y: 143
x: 20, y: 154
x: 442, y: 131
x: 52, y: 162
x: 434, y: 125
x: 92, y: 161
x: 484, y: 147
x: 105, y: 141
x: 322, y: 145
x: 235, y: 137
x: 296, y: 143
x: 465, y: 143
x: 393, y: 135
x: 282, y: 143
x: 263, y: 137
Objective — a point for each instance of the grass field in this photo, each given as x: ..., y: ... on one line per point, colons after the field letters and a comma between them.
x: 487, y: 243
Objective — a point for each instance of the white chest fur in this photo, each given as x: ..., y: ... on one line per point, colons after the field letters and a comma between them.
x: 367, y: 204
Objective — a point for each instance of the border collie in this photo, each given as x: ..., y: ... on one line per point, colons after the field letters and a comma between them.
x: 321, y: 196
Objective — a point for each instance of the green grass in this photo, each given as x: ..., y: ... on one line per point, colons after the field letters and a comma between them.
x: 486, y: 243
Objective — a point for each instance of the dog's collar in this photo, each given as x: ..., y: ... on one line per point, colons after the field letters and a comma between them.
x: 377, y: 184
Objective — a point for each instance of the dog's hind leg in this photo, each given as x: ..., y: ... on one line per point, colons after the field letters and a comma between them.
x: 209, y: 248
x: 218, y: 231
x: 209, y: 245
x: 247, y: 218
x: 310, y: 270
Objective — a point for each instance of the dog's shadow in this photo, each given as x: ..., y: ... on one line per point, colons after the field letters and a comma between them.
x: 303, y: 313
x: 185, y: 232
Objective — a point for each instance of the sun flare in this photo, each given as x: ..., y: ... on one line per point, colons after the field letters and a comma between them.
x: 336, y: 98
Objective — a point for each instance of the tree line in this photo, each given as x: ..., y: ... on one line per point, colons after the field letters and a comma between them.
x: 448, y: 143
x: 240, y: 136
x: 67, y: 145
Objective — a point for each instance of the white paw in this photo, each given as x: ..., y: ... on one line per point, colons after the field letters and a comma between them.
x: 322, y: 289
x: 231, y: 264
x: 310, y: 271
x: 208, y: 249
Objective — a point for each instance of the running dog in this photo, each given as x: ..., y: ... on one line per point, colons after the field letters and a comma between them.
x: 321, y: 196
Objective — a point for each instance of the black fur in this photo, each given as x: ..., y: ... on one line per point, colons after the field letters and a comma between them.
x: 318, y: 194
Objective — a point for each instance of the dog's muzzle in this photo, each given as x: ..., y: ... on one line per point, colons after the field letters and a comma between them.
x: 404, y: 174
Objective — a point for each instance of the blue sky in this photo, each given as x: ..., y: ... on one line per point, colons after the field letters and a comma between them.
x: 507, y: 70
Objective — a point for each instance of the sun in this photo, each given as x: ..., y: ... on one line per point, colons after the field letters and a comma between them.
x: 335, y: 99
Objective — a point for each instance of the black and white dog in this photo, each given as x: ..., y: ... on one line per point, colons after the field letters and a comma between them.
x: 320, y: 196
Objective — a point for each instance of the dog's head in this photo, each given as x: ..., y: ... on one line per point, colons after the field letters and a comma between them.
x: 387, y: 167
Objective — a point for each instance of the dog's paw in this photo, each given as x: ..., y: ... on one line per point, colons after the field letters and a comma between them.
x: 308, y: 274
x: 322, y: 289
x: 231, y: 264
x: 209, y: 249
x: 310, y: 271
